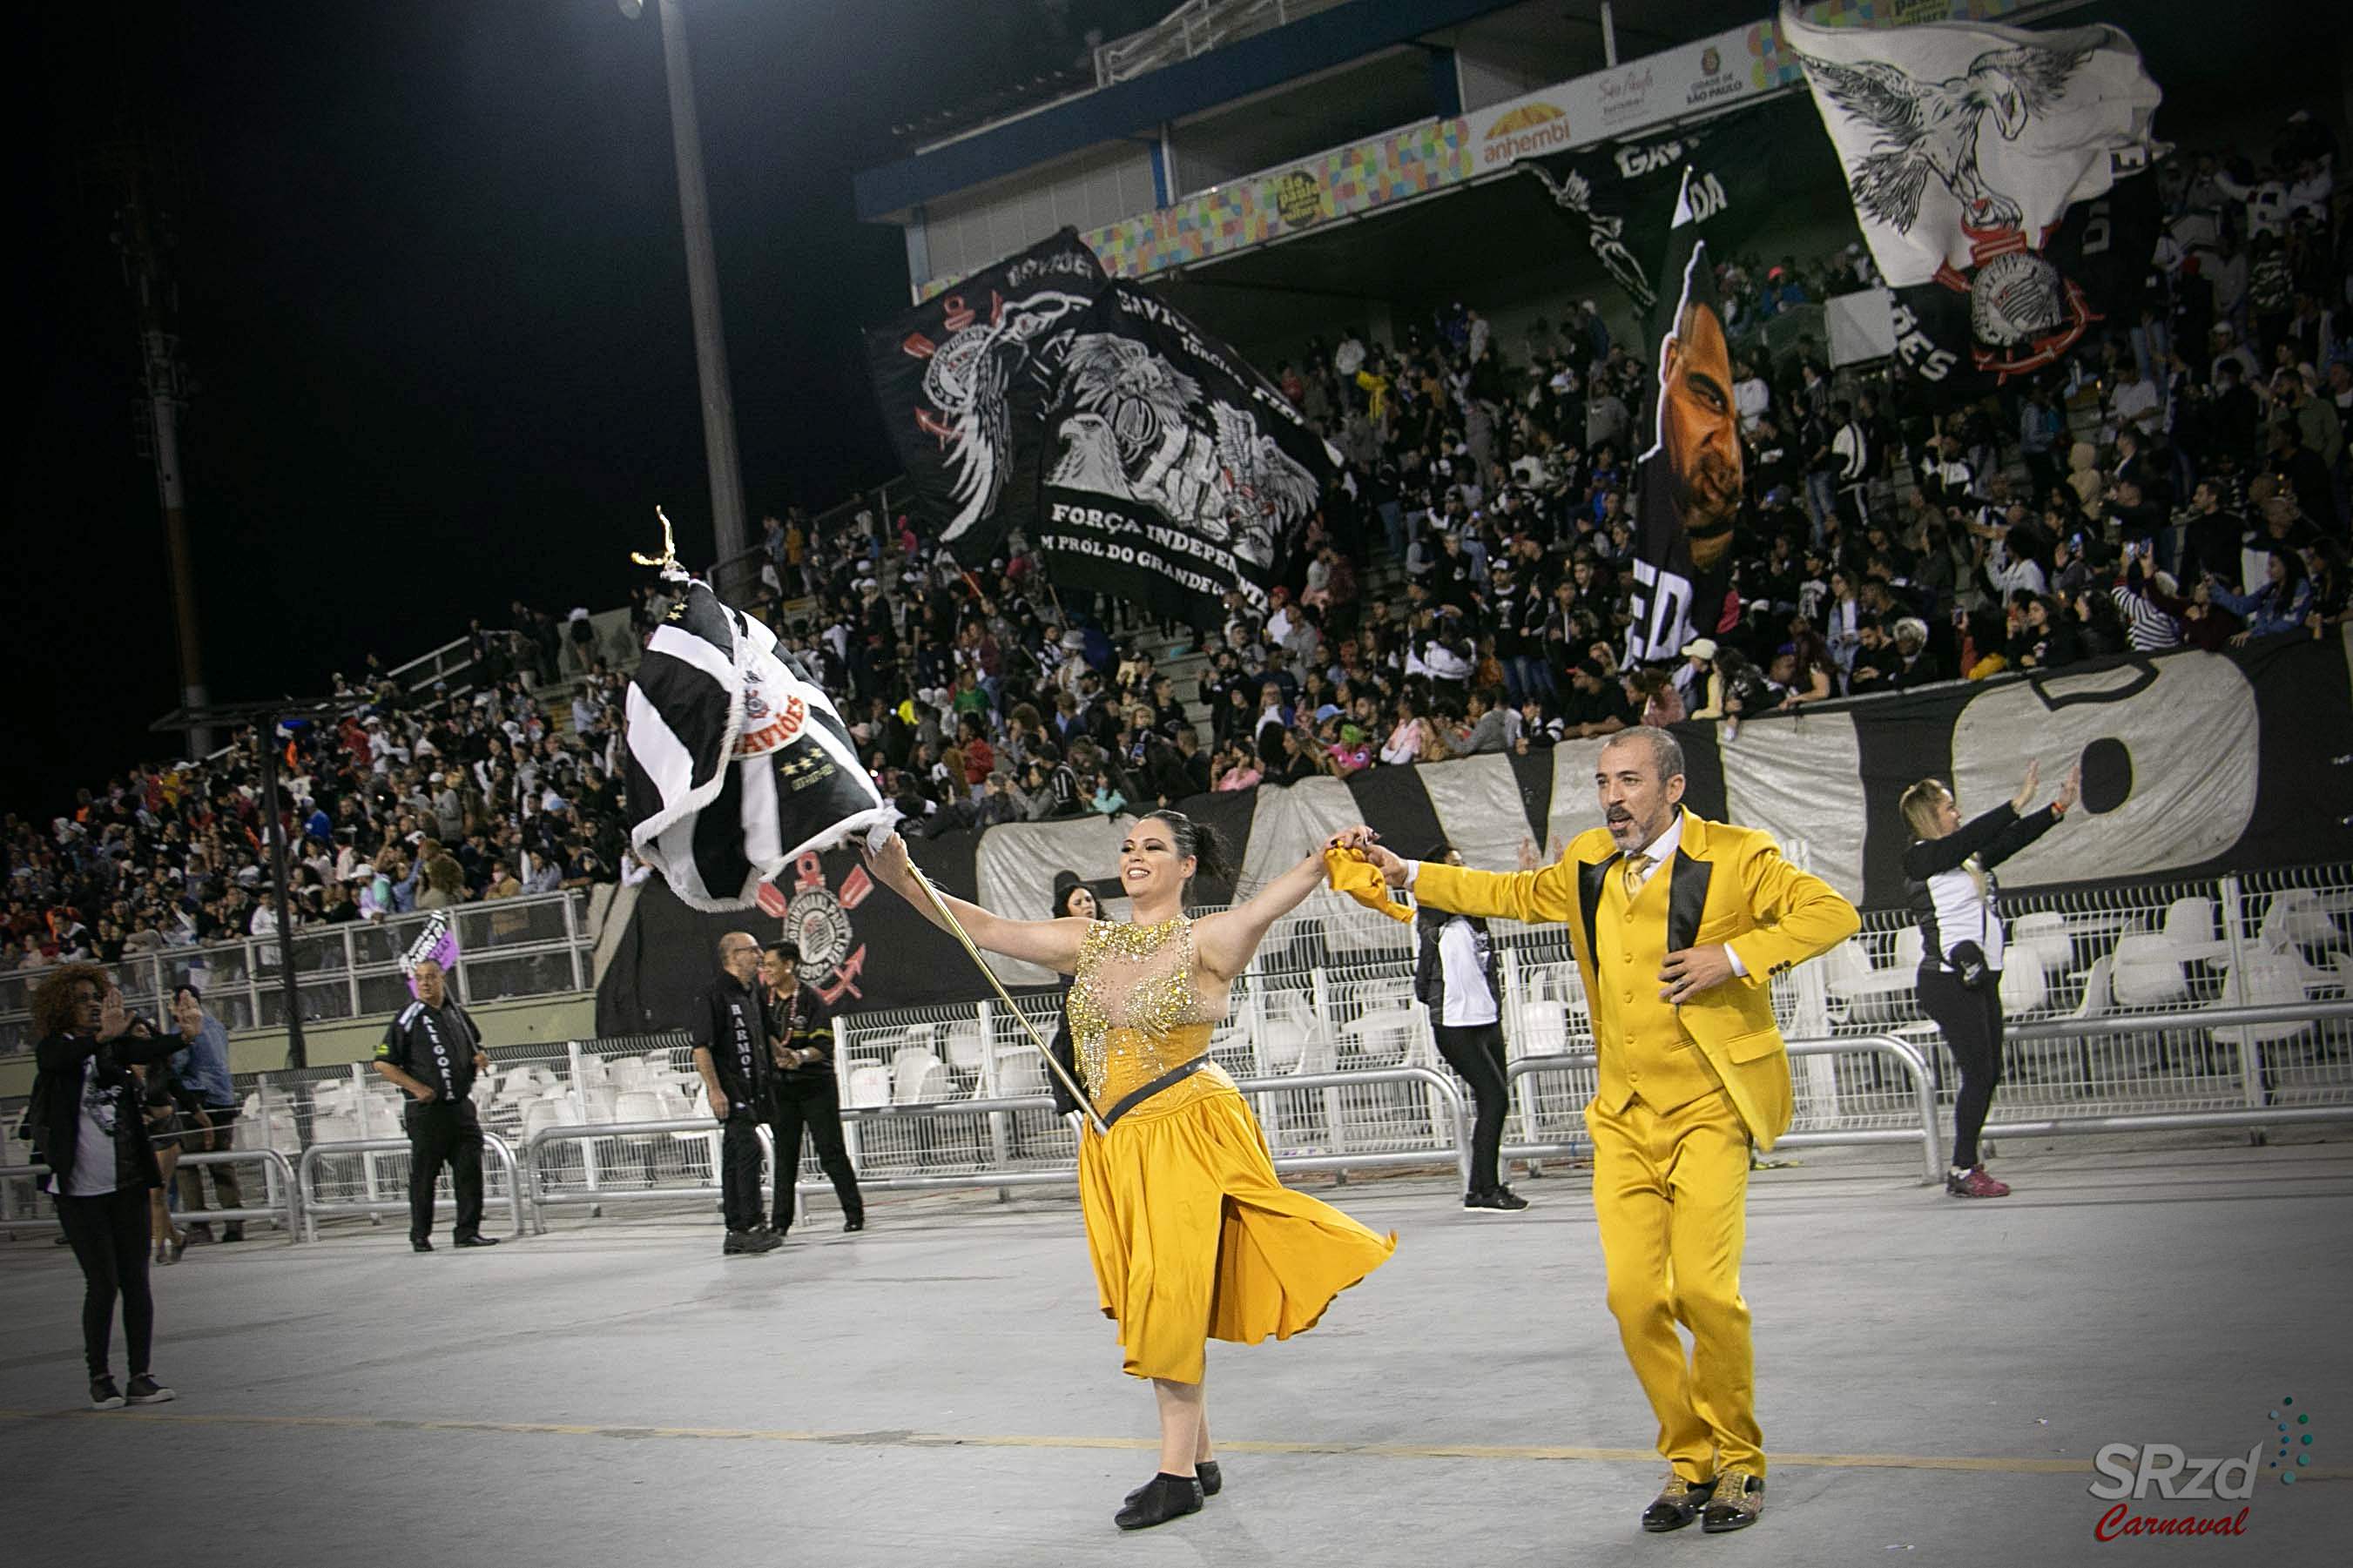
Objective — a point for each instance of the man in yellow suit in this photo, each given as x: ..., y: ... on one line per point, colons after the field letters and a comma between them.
x: 1679, y: 925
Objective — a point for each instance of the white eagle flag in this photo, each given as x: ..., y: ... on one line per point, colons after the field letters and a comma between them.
x: 737, y: 764
x: 1960, y: 139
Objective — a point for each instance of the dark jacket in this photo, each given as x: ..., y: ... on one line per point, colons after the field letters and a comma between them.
x: 1429, y: 971
x: 803, y: 1021
x: 744, y: 1073
x: 57, y: 1061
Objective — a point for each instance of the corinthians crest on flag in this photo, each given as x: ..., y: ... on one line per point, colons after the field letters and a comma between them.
x: 737, y: 765
x: 1965, y: 146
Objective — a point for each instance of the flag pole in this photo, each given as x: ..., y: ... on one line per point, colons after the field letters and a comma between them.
x: 955, y: 929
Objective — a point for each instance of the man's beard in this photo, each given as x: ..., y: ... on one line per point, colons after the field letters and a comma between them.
x: 1711, y: 495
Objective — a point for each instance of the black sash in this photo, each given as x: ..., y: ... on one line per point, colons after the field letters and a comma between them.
x: 1168, y: 1080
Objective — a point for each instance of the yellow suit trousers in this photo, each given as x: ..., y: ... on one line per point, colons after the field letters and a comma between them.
x: 1670, y: 1192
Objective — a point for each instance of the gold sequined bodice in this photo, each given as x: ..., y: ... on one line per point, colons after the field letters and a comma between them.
x: 1136, y: 1009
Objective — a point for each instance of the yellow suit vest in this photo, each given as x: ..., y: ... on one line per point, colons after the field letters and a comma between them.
x: 1641, y: 1040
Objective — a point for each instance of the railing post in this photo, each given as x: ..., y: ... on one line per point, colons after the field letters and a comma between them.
x: 1334, y: 1122
x: 351, y: 971
x: 2251, y: 1067
x: 588, y: 1145
x: 253, y: 980
x: 366, y: 1117
x: 572, y: 939
x: 841, y: 1090
x: 999, y: 1141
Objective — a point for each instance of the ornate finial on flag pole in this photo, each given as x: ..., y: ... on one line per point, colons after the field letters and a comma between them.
x: 668, y: 559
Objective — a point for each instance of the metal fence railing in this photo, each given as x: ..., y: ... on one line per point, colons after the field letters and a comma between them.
x: 536, y: 946
x: 2213, y: 1003
x: 22, y: 1206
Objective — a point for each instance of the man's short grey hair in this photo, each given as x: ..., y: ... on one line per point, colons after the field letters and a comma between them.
x: 1665, y: 750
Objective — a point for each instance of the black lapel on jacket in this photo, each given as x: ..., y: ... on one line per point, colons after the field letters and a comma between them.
x: 1686, y: 899
x: 1588, y: 899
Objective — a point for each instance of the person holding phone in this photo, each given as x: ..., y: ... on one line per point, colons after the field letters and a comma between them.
x: 1949, y: 881
x: 86, y: 1127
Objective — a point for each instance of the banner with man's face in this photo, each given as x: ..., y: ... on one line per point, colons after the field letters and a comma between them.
x: 1690, y: 486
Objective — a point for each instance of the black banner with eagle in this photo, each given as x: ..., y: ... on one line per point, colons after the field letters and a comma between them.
x: 1172, y: 471
x: 964, y: 380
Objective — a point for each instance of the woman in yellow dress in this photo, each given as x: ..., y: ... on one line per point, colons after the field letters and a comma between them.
x: 1193, y: 1235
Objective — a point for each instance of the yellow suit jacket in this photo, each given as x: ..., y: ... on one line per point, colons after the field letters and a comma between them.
x: 1730, y: 886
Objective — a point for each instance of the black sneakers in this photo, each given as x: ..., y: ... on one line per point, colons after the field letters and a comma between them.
x: 750, y: 1243
x: 856, y: 1222
x: 145, y: 1390
x: 1495, y: 1200
x: 1165, y: 1497
x: 103, y: 1394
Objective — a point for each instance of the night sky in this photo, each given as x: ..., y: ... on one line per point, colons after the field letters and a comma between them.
x: 433, y: 299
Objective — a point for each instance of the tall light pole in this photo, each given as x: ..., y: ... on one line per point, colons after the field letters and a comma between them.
x: 701, y: 283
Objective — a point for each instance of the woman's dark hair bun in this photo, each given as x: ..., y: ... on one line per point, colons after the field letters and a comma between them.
x: 1204, y: 842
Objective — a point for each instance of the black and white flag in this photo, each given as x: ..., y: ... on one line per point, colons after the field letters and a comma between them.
x: 737, y: 764
x: 1692, y: 481
x: 1172, y: 470
x: 1965, y: 147
x: 1621, y: 199
x: 964, y: 380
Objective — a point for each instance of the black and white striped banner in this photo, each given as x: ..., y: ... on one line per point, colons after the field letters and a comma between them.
x: 737, y: 765
x: 2193, y: 764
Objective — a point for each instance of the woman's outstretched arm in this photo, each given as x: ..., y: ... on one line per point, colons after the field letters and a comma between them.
x: 1227, y: 940
x: 1054, y: 943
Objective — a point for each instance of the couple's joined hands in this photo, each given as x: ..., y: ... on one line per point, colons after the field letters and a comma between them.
x: 1367, y: 843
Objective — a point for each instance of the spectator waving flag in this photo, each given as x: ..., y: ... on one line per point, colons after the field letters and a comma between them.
x: 1965, y: 145
x: 737, y: 763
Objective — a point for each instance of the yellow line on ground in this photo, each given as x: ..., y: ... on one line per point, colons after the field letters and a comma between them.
x: 2003, y: 1465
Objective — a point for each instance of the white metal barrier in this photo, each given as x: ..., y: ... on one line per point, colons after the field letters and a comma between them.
x: 315, y: 1205
x: 283, y: 1205
x: 1902, y: 1052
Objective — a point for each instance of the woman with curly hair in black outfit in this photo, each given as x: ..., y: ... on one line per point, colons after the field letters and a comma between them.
x: 88, y: 1131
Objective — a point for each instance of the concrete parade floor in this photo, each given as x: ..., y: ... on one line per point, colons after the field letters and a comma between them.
x: 1934, y: 1377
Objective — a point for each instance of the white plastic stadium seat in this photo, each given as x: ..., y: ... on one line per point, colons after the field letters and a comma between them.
x: 967, y: 1047
x: 2043, y: 934
x: 2189, y: 930
x: 2147, y: 974
x: 869, y: 1085
x: 2263, y: 980
x: 2023, y: 989
x: 2296, y: 919
x: 2096, y: 997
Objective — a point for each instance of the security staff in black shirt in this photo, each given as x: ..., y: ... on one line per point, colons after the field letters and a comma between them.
x: 806, y: 1094
x: 432, y: 1052
x: 730, y: 1052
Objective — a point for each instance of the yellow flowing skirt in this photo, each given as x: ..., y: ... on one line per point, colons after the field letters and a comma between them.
x: 1194, y: 1236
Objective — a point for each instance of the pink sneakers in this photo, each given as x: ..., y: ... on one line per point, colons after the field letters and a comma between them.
x: 1975, y: 1184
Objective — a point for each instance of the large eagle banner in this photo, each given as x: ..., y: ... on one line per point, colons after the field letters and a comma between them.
x: 1172, y: 471
x: 964, y: 380
x: 737, y: 765
x: 1982, y: 162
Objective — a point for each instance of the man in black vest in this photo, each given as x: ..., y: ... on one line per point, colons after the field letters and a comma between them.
x: 730, y: 1052
x: 432, y: 1052
x: 800, y: 1038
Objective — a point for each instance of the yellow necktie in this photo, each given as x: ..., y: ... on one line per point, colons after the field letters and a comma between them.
x: 1635, y: 866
